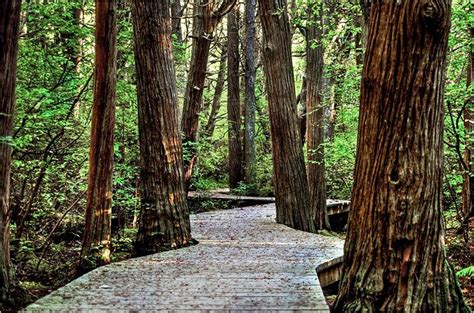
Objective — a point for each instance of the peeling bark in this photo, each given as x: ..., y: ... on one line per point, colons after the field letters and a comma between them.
x: 164, y: 216
x: 9, y: 32
x: 315, y: 117
x: 96, y: 243
x: 291, y: 186
x: 250, y: 100
x: 395, y: 257
x: 233, y: 100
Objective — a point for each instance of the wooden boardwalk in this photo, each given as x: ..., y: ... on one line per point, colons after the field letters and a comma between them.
x: 333, y: 206
x: 244, y: 262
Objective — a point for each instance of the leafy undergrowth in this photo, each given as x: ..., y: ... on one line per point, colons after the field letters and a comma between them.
x: 461, y: 256
x: 42, y: 268
x: 39, y: 273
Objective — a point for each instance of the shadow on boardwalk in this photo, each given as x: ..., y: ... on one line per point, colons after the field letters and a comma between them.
x: 244, y: 261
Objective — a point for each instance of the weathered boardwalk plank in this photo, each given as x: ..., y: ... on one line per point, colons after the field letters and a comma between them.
x: 244, y: 262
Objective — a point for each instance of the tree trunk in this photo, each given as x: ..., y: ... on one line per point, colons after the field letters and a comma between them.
x: 164, y: 218
x: 395, y: 257
x: 365, y: 6
x: 468, y: 177
x: 96, y: 240
x: 301, y: 103
x: 291, y: 186
x: 233, y: 100
x: 216, y: 99
x: 358, y: 40
x: 250, y: 101
x: 315, y: 117
x: 176, y: 22
x: 9, y: 32
x: 204, y: 23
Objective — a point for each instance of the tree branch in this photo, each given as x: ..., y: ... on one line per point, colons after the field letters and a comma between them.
x: 223, y: 9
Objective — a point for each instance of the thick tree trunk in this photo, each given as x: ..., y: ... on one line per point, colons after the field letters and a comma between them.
x: 291, y: 186
x: 9, y: 32
x: 395, y: 257
x: 164, y: 218
x: 315, y: 117
x: 233, y: 100
x: 96, y: 240
x: 250, y: 101
x: 216, y: 99
x: 204, y: 23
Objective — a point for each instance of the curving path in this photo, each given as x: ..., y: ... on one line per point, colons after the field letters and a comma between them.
x: 244, y: 262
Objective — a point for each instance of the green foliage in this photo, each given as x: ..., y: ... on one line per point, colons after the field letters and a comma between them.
x: 466, y: 272
x: 243, y: 189
x: 204, y: 184
x: 123, y: 244
x: 51, y: 137
x: 456, y: 93
x: 264, y: 175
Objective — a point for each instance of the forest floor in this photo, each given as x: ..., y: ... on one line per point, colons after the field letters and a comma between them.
x: 244, y: 260
x: 40, y: 276
x: 461, y: 255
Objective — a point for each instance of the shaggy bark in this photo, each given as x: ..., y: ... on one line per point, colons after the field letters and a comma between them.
x: 96, y: 243
x: 291, y: 186
x: 394, y: 255
x: 233, y: 100
x: 9, y: 32
x: 250, y: 101
x: 164, y: 216
x: 315, y: 117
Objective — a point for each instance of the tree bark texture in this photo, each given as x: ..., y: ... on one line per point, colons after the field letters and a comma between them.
x: 9, y: 33
x: 315, y: 116
x: 205, y: 22
x: 233, y: 99
x: 216, y: 99
x: 394, y: 255
x: 301, y: 103
x: 96, y: 243
x: 358, y: 40
x: 164, y: 217
x: 250, y: 100
x: 365, y: 6
x: 176, y: 22
x: 289, y: 173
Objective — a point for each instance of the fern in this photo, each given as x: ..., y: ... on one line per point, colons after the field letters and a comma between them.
x: 466, y: 272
